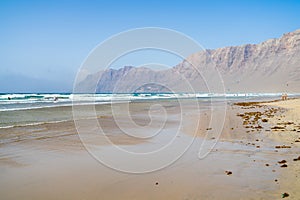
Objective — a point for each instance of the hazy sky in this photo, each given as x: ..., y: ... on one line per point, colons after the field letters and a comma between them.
x: 48, y: 40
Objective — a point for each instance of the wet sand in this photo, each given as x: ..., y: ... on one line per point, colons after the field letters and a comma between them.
x: 49, y: 161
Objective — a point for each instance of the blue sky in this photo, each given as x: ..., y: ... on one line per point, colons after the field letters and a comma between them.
x: 48, y: 40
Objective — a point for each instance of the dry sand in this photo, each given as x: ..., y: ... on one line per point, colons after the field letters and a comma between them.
x: 289, y: 121
x: 50, y: 162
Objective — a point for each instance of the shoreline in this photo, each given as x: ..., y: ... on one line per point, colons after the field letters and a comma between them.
x: 57, y: 147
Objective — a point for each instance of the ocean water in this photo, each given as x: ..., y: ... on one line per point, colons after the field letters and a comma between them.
x: 12, y: 102
x: 33, y: 109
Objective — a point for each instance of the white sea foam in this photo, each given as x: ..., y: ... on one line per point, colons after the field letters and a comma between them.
x: 11, y: 102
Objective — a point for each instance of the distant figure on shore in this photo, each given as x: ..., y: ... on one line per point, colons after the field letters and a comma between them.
x: 284, y: 96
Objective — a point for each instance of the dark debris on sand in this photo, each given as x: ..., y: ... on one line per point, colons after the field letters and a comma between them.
x: 284, y: 195
x: 282, y: 161
x: 255, y: 119
x: 228, y: 172
x: 297, y: 159
x: 283, y: 147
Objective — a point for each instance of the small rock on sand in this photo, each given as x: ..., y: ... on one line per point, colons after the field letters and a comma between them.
x: 228, y: 172
x: 282, y: 161
x: 285, y: 195
x: 296, y: 159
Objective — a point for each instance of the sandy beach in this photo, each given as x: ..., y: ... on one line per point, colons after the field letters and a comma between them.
x: 244, y: 161
x: 149, y: 100
x: 289, y: 123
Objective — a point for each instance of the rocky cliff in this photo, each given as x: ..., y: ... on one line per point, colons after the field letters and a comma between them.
x: 271, y: 66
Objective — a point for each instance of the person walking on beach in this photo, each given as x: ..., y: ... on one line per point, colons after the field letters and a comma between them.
x: 284, y: 96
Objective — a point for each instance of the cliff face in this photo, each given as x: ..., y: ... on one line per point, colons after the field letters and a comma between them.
x: 271, y: 66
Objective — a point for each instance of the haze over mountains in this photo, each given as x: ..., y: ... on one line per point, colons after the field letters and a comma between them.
x: 271, y: 66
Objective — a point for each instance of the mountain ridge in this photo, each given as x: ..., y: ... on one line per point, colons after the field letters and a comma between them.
x: 270, y: 66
